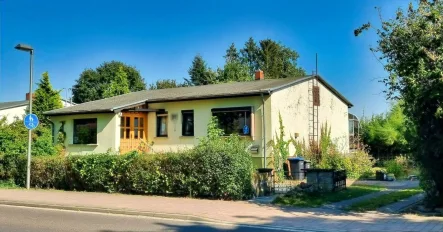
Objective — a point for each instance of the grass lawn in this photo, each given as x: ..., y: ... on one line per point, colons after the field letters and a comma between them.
x: 383, y: 200
x: 4, y: 184
x: 319, y: 199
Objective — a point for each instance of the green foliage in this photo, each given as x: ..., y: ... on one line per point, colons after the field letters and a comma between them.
x: 219, y: 168
x: 277, y: 60
x: 46, y: 99
x: 200, y: 74
x: 399, y: 166
x: 14, y: 139
x: 119, y: 84
x: 412, y: 49
x: 325, y: 155
x: 280, y: 149
x: 166, y: 84
x: 386, y: 134
x: 109, y: 79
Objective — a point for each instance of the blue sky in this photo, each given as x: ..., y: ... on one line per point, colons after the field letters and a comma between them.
x: 161, y: 38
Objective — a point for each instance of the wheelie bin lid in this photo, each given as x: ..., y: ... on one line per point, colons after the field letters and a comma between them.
x: 296, y: 159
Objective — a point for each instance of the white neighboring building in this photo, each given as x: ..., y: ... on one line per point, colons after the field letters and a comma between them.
x: 14, y: 109
x: 10, y: 110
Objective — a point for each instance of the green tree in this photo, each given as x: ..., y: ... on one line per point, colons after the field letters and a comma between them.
x: 200, y: 74
x: 46, y: 98
x: 386, y: 134
x: 166, y: 84
x: 249, y: 55
x: 411, y: 46
x: 119, y: 85
x: 278, y: 61
x: 92, y: 84
x: 12, y: 141
x: 232, y: 54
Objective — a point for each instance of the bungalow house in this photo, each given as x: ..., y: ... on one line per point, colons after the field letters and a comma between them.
x: 16, y: 109
x: 175, y: 118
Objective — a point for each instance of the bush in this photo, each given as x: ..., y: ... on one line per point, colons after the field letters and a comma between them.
x: 218, y: 168
x: 398, y: 166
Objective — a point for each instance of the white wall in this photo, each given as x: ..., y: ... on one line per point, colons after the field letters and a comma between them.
x: 334, y: 112
x: 11, y: 113
x: 293, y: 105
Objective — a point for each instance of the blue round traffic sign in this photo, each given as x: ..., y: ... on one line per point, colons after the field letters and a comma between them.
x: 31, y: 121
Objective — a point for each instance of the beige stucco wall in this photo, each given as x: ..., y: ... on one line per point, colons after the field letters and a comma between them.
x: 11, y: 113
x: 293, y: 105
x: 202, y: 115
x: 334, y: 112
x: 107, y: 133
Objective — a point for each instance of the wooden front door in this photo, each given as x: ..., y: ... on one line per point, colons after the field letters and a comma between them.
x: 133, y: 131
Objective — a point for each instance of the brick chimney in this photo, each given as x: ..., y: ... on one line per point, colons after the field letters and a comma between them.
x: 27, y: 96
x: 259, y: 75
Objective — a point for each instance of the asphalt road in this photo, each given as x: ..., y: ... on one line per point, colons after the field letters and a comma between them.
x: 23, y: 219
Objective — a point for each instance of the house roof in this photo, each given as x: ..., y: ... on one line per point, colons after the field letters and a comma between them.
x: 13, y: 104
x: 234, y: 89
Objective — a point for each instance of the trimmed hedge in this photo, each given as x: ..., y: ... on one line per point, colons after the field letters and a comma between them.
x: 216, y: 169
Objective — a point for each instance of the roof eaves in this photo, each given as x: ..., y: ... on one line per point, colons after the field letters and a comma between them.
x: 12, y: 106
x: 332, y: 89
x: 49, y: 113
x: 128, y: 105
x: 298, y: 81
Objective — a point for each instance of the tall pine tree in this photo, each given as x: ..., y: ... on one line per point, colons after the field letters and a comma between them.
x: 249, y: 55
x: 200, y: 74
x: 46, y: 98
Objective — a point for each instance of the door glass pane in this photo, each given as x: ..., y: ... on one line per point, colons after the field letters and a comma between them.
x: 128, y: 121
x: 127, y: 133
x: 135, y: 133
x: 122, y: 133
x: 141, y: 133
x: 141, y: 122
x: 122, y: 121
x: 136, y: 122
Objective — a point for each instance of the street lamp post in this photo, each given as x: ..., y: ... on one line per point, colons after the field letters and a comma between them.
x: 27, y: 48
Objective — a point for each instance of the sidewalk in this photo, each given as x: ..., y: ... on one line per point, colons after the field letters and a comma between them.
x: 223, y: 211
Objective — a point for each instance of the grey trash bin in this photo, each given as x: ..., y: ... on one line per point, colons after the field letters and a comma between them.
x: 297, y: 165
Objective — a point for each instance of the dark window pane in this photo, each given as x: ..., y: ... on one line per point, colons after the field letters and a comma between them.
x: 141, y: 122
x: 188, y: 123
x: 162, y: 125
x: 127, y: 133
x: 122, y: 121
x: 122, y: 133
x: 135, y: 133
x: 141, y: 133
x: 234, y: 121
x: 135, y: 122
x: 128, y: 121
x: 85, y: 131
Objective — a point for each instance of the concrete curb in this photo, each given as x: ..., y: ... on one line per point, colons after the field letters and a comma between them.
x: 110, y: 211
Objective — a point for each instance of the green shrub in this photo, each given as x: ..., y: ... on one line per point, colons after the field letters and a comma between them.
x: 398, y: 166
x: 219, y: 168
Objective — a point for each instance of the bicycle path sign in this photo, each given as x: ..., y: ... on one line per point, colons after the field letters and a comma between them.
x: 30, y: 121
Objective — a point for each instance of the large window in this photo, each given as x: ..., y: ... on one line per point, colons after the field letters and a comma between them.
x: 188, y: 123
x: 162, y: 124
x: 234, y: 120
x: 85, y: 131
